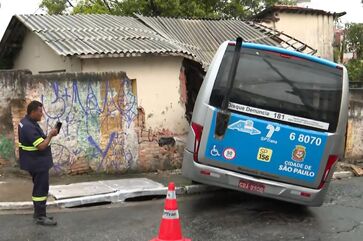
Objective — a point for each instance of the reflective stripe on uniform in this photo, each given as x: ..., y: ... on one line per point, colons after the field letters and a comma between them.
x: 27, y: 148
x: 39, y: 199
x: 38, y: 141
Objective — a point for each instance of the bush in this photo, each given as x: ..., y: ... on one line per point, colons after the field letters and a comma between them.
x: 355, y: 70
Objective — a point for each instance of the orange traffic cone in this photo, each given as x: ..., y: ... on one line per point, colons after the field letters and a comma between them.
x: 170, y: 229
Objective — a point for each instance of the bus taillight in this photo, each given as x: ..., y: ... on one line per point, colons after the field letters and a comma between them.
x: 198, y: 129
x: 331, y: 161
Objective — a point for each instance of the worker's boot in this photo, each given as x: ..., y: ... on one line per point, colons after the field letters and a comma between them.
x: 46, y: 221
x: 40, y: 215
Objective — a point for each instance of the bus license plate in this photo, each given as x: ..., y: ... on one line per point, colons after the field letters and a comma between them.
x: 251, y: 186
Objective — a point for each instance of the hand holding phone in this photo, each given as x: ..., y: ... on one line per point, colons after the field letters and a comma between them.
x: 58, y: 126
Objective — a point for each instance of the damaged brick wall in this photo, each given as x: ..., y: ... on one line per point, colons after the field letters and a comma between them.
x: 354, y: 144
x: 162, y: 145
x: 103, y: 126
x: 191, y: 77
x: 10, y: 92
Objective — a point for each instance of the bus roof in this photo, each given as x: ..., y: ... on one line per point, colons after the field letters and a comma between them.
x: 290, y: 52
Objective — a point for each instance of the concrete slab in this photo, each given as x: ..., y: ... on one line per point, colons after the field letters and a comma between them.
x: 79, y: 190
x: 132, y: 184
x: 79, y: 201
x: 113, y: 188
x: 119, y: 196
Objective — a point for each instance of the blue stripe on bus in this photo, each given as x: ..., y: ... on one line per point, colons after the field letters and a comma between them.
x: 290, y: 52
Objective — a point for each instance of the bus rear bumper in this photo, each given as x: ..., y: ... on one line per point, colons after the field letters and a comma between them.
x: 257, y: 186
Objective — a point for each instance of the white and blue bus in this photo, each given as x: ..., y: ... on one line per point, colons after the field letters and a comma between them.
x: 268, y: 121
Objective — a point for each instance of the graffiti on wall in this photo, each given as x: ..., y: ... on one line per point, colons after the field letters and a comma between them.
x: 97, y: 119
x: 103, y: 128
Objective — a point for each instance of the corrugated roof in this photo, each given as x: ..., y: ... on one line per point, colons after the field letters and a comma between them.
x: 295, y: 9
x: 203, y: 37
x: 97, y: 34
x: 108, y: 35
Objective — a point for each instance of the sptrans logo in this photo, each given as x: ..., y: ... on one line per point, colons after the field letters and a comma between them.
x: 299, y: 153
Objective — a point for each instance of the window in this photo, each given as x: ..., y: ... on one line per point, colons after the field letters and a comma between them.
x: 292, y: 86
x: 133, y: 87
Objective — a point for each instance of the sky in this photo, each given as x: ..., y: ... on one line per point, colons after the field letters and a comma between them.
x: 8, y: 8
x: 354, y: 9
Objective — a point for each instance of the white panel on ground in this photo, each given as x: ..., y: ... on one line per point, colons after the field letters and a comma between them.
x: 79, y: 190
x: 132, y: 184
x: 87, y: 189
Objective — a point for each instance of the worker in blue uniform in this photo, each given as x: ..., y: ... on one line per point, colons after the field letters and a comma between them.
x: 35, y: 156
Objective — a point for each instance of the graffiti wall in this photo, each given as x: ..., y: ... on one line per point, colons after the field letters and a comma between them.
x: 103, y: 127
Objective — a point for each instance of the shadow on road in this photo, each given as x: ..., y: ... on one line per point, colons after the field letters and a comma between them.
x: 260, y: 207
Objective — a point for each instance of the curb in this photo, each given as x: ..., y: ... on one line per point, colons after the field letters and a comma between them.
x: 115, y: 197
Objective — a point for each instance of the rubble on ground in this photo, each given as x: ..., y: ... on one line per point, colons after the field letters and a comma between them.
x: 356, y: 168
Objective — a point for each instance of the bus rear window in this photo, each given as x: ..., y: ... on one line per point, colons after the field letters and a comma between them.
x: 292, y: 86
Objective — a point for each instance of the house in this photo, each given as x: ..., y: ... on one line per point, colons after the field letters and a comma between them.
x: 135, y: 120
x: 150, y: 50
x: 312, y: 26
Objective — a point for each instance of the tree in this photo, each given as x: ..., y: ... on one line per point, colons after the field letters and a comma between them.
x: 355, y: 70
x: 239, y: 9
x: 354, y: 39
x: 54, y: 6
x: 354, y: 44
x: 96, y: 7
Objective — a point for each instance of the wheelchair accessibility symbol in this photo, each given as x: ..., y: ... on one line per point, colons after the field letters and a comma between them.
x: 214, y: 151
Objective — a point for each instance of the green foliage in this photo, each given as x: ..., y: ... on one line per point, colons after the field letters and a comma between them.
x: 54, y: 6
x: 167, y: 8
x: 354, y: 39
x: 355, y: 70
x: 354, y: 43
x: 152, y: 7
x: 87, y: 7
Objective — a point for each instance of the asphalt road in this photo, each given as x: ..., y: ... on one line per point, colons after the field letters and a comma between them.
x: 223, y: 215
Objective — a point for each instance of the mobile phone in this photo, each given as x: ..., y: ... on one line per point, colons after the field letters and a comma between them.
x: 58, y: 126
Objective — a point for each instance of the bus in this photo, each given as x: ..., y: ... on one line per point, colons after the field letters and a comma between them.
x: 268, y: 121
